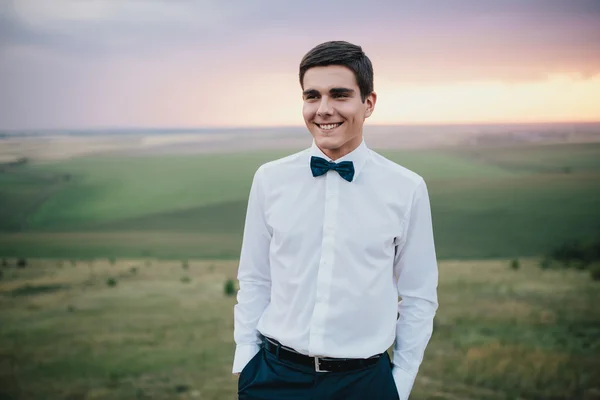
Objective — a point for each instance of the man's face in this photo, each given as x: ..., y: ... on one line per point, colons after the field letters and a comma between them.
x: 333, y: 110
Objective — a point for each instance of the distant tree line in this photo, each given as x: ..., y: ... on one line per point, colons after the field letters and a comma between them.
x: 579, y: 254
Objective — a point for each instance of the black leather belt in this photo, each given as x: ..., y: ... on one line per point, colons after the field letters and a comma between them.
x: 318, y: 363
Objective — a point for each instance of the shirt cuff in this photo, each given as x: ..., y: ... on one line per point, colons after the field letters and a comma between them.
x: 243, y: 355
x: 404, y: 382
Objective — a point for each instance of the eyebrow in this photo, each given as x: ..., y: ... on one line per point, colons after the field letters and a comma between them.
x: 310, y: 92
x: 338, y: 90
x: 341, y: 90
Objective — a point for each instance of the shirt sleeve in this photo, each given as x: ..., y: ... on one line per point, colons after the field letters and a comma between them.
x: 415, y: 268
x: 254, y: 277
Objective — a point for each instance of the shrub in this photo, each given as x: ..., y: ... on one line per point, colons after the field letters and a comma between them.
x: 112, y: 260
x: 545, y: 263
x: 581, y: 265
x: 112, y: 380
x: 133, y: 270
x: 1, y: 274
x: 185, y: 264
x: 229, y: 287
x: 595, y: 272
x: 112, y: 282
x: 515, y: 264
x: 21, y: 263
x: 181, y: 388
x: 186, y: 279
x: 73, y: 262
x: 4, y: 262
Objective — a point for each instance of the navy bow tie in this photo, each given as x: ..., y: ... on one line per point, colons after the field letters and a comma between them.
x: 319, y: 166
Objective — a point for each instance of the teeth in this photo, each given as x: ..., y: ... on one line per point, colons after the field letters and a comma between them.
x: 329, y: 126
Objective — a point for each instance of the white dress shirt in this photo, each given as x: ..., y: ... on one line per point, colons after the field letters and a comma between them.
x: 323, y: 262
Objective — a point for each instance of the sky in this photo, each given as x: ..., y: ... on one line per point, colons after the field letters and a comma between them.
x: 77, y: 64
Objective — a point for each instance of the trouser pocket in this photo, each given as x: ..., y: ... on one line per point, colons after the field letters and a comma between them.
x: 248, y: 371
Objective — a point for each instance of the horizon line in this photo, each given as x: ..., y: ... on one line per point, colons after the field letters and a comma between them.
x: 232, y: 127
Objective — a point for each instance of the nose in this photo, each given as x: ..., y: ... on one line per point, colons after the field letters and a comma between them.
x: 324, y: 107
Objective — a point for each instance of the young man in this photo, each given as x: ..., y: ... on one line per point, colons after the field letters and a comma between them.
x: 333, y: 235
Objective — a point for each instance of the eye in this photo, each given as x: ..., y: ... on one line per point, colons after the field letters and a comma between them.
x: 340, y: 95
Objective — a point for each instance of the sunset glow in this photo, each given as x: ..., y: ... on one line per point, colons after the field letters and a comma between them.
x: 102, y: 64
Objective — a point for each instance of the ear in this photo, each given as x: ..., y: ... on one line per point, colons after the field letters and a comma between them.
x: 370, y: 104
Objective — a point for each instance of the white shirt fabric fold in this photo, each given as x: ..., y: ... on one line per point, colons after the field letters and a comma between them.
x: 324, y: 262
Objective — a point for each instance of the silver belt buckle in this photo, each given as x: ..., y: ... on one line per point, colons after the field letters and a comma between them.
x: 318, y: 366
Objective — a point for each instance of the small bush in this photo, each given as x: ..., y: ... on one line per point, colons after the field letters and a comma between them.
x: 148, y: 263
x: 71, y: 308
x: 211, y: 268
x: 515, y: 264
x: 4, y: 262
x: 545, y: 263
x: 113, y: 380
x: 1, y: 274
x: 133, y: 270
x: 185, y: 264
x: 21, y: 263
x: 581, y: 265
x: 595, y: 272
x: 181, y: 388
x: 73, y: 262
x: 112, y: 282
x: 567, y: 170
x: 229, y: 287
x: 112, y: 260
x: 186, y: 279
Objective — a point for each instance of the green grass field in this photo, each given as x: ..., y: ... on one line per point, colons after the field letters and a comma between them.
x: 166, y: 332
x: 66, y: 334
x: 487, y: 202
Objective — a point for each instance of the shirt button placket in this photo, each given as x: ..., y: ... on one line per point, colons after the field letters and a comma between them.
x: 325, y: 274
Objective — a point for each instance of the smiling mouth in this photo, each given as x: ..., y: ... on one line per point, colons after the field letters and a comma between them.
x: 328, y: 127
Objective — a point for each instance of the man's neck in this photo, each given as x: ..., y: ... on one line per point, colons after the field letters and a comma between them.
x: 347, y: 148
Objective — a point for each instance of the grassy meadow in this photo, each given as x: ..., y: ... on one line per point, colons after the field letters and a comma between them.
x: 164, y: 331
x: 127, y: 257
x: 487, y: 202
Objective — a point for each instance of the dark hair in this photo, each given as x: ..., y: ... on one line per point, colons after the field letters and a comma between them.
x: 341, y: 53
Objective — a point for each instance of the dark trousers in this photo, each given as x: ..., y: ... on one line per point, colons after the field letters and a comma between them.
x: 267, y: 377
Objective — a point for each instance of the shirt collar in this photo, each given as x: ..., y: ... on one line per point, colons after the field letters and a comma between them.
x: 358, y: 156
